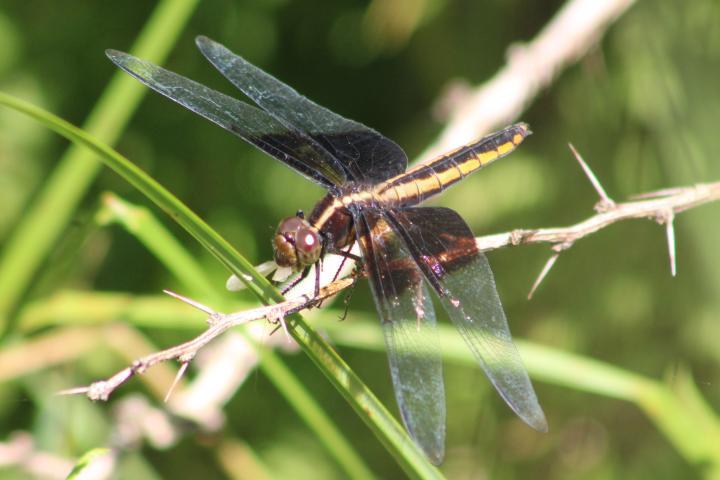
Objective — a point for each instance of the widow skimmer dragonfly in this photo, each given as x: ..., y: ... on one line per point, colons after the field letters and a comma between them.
x: 407, y: 250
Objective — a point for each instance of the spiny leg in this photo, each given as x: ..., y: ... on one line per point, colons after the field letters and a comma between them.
x: 303, y: 275
x: 357, y: 271
x: 306, y: 271
x: 346, y: 255
x: 318, y: 268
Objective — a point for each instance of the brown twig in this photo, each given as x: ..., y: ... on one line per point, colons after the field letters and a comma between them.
x: 219, y: 323
x: 659, y: 206
x: 653, y: 208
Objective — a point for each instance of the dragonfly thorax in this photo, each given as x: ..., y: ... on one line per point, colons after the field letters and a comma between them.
x: 297, y: 244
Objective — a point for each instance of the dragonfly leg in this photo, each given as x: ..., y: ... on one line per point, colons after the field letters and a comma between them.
x: 347, y: 255
x: 355, y: 275
x: 303, y: 275
x: 318, y: 267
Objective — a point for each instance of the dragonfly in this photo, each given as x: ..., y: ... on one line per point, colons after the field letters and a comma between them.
x: 372, y: 198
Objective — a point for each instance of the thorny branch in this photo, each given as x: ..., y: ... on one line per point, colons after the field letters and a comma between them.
x: 660, y: 206
x: 655, y: 206
x: 218, y: 324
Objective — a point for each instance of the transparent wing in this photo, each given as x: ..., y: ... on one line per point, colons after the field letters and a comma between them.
x: 367, y: 155
x: 246, y: 121
x: 408, y: 320
x: 444, y: 247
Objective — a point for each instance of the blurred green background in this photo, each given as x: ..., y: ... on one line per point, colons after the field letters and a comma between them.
x: 641, y: 108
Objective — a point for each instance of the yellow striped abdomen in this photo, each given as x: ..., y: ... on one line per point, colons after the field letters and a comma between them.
x: 428, y: 179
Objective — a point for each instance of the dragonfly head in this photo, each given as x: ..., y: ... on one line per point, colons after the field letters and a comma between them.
x: 296, y: 243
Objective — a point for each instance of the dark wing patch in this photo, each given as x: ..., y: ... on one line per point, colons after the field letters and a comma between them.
x: 367, y: 155
x: 408, y: 320
x: 250, y: 123
x: 444, y: 247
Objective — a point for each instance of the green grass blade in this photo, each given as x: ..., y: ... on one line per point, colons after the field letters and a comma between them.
x: 360, y: 398
x: 155, y: 237
x: 177, y: 210
x: 144, y: 226
x: 34, y: 237
x: 677, y: 410
x: 77, y: 308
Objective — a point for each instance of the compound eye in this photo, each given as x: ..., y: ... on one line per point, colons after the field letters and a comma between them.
x: 290, y: 225
x: 308, y: 245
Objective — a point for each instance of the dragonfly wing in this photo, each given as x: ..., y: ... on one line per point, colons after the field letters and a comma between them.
x: 444, y: 248
x: 246, y: 121
x: 408, y: 320
x: 367, y: 155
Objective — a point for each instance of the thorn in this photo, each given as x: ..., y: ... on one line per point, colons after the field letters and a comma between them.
x: 665, y: 192
x: 605, y: 200
x: 180, y: 373
x: 278, y: 317
x: 191, y: 302
x: 670, y: 231
x: 546, y: 269
x: 74, y: 391
x: 285, y: 328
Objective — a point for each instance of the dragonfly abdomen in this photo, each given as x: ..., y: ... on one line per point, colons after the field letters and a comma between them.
x: 425, y: 180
